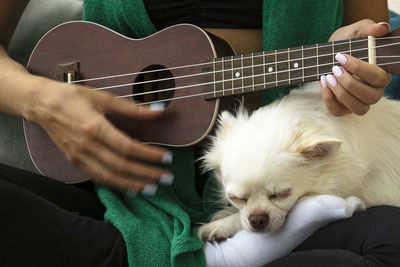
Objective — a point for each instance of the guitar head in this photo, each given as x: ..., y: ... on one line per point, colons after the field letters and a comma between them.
x: 388, y: 52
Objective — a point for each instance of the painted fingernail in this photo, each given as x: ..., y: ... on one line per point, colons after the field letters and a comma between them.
x: 149, y: 190
x: 132, y: 192
x: 342, y: 59
x: 386, y: 24
x: 331, y: 80
x: 337, y: 71
x: 157, y: 106
x: 323, y: 81
x: 167, y: 179
x: 167, y: 158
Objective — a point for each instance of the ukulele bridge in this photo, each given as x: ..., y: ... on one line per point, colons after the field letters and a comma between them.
x: 68, y: 72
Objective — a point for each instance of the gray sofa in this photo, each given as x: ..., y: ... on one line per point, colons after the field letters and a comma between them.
x: 39, y: 17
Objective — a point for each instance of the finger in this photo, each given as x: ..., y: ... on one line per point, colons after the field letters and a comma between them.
x: 332, y: 104
x: 371, y: 74
x: 100, y: 174
x: 128, y: 168
x: 352, y: 103
x: 376, y: 29
x: 106, y: 133
x: 367, y: 94
x: 111, y: 104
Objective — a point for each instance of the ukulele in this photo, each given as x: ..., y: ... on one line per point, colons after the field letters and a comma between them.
x: 194, y: 73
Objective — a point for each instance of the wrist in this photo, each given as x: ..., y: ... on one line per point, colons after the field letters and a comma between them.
x: 35, y: 98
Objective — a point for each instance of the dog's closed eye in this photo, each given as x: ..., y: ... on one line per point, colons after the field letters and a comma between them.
x: 236, y: 199
x: 279, y: 195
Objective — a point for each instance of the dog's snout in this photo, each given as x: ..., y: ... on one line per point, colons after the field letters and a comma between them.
x: 259, y: 222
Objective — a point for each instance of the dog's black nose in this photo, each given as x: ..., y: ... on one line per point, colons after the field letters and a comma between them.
x: 259, y: 221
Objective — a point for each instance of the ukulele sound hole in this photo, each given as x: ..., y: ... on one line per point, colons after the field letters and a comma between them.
x: 154, y: 84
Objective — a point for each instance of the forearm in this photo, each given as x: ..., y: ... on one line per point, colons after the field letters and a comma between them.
x: 355, y: 10
x: 16, y: 84
x: 18, y: 88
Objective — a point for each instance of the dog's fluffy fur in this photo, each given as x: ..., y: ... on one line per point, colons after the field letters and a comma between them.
x: 266, y: 161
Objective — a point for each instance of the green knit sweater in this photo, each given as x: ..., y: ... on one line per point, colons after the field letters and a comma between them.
x: 161, y: 230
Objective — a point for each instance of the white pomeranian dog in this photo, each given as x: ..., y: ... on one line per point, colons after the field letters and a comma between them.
x: 266, y: 161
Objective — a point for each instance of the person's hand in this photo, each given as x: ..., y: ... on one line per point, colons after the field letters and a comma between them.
x: 356, y: 85
x: 74, y: 118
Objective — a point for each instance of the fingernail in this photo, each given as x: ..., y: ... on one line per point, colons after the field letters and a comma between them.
x: 342, y: 59
x: 337, y: 71
x: 323, y: 81
x: 386, y: 24
x: 331, y: 80
x: 167, y: 158
x: 149, y: 190
x: 131, y: 192
x: 157, y: 106
x: 167, y: 179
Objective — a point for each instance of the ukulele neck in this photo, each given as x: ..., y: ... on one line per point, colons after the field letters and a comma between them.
x: 247, y: 73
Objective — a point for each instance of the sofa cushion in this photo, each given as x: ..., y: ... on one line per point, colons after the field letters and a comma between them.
x: 38, y: 17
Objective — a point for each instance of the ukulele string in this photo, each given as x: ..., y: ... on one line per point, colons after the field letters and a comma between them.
x: 225, y: 80
x: 247, y: 57
x: 242, y: 68
x: 238, y: 88
x: 233, y: 79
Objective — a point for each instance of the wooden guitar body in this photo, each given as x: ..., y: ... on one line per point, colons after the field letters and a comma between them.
x: 100, y: 52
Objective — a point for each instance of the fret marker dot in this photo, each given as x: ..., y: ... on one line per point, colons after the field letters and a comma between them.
x: 296, y: 65
x: 237, y: 74
x: 270, y: 69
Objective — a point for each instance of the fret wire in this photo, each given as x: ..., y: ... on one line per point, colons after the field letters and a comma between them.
x: 350, y: 47
x: 333, y: 53
x: 265, y: 74
x: 223, y: 77
x: 276, y: 68
x: 302, y: 60
x: 289, y: 65
x: 215, y: 91
x: 252, y: 69
x: 242, y: 73
x: 233, y: 91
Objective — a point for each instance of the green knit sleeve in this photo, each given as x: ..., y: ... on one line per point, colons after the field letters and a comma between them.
x: 292, y: 23
x: 126, y: 17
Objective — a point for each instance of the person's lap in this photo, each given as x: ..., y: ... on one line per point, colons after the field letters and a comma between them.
x: 370, y: 238
x: 47, y: 222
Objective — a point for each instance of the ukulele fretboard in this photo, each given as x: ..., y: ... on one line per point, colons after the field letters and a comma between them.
x: 246, y: 73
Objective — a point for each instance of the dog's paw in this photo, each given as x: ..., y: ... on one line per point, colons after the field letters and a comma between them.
x: 221, y: 229
x: 215, y: 231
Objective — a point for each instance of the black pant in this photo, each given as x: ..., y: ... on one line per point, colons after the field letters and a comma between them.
x: 370, y: 238
x: 48, y: 223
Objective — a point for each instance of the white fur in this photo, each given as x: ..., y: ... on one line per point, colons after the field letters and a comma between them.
x: 294, y: 147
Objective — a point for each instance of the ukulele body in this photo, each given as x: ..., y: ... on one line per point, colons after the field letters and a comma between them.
x: 179, y: 58
x: 88, y: 50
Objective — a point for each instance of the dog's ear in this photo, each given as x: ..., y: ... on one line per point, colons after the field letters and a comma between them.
x: 321, y: 149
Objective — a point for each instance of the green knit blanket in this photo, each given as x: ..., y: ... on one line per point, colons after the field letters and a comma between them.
x: 161, y: 230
